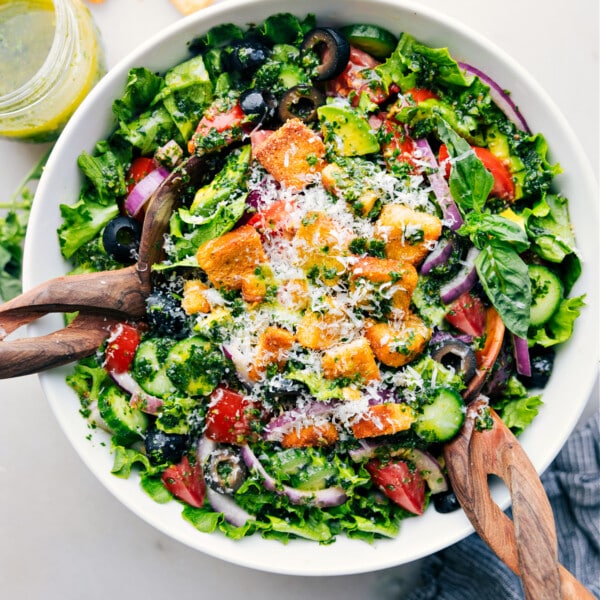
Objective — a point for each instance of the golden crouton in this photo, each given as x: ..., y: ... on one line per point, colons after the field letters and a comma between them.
x: 321, y: 243
x: 229, y: 259
x: 317, y: 434
x: 354, y: 359
x: 408, y: 235
x: 401, y: 275
x: 273, y: 347
x: 383, y: 419
x: 293, y: 154
x: 293, y: 294
x: 397, y: 345
x: 336, y: 181
x: 323, y: 329
x: 194, y: 300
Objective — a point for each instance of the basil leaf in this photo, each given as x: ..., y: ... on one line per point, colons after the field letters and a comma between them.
x: 480, y: 227
x: 470, y: 182
x: 505, y: 279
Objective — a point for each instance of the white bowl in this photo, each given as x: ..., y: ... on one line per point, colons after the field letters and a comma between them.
x: 575, y: 368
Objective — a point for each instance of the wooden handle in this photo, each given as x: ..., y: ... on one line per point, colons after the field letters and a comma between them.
x: 114, y: 293
x: 527, y: 545
x: 81, y: 338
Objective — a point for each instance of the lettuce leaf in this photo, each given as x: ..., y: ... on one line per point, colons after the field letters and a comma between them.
x: 560, y: 327
x: 515, y: 407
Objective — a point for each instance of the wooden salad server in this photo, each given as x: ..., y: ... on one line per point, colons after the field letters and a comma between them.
x: 101, y: 298
x: 527, y: 544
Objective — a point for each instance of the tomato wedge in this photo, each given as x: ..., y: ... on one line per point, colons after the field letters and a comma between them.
x: 185, y: 481
x: 398, y: 145
x: 357, y: 78
x: 468, y: 314
x: 504, y: 186
x: 421, y: 94
x: 229, y: 417
x: 219, y: 120
x: 140, y: 167
x: 402, y: 484
x: 120, y: 350
x: 274, y: 220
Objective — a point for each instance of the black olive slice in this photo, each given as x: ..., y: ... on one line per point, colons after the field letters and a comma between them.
x: 121, y: 238
x: 457, y: 355
x: 301, y: 102
x: 246, y: 57
x: 226, y: 471
x: 164, y: 447
x: 261, y: 103
x: 331, y: 47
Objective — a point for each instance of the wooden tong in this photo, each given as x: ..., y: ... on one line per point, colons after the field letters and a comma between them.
x: 101, y: 299
x: 527, y: 545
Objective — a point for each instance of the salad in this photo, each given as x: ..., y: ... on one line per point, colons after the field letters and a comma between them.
x: 375, y: 243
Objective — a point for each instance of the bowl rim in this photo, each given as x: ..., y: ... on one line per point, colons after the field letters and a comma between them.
x: 381, y: 557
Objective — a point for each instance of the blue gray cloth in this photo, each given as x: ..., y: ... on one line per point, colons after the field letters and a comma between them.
x: 469, y: 570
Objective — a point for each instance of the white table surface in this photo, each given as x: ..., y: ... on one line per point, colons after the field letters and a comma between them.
x: 62, y: 535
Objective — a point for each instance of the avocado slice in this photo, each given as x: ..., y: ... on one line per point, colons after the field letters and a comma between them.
x: 347, y: 130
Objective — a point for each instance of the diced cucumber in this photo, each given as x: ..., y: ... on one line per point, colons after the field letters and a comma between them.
x: 124, y: 421
x: 546, y: 294
x: 442, y: 417
x: 195, y: 366
x: 149, y: 370
x: 372, y: 39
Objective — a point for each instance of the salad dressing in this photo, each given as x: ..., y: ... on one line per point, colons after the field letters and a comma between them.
x: 50, y: 58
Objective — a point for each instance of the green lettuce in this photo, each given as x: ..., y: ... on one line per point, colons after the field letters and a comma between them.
x: 560, y: 326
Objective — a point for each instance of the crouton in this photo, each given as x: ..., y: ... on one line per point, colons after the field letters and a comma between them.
x: 395, y: 279
x: 408, y: 235
x: 323, y: 329
x: 354, y: 360
x: 317, y: 434
x: 194, y: 301
x: 293, y: 154
x: 383, y: 419
x: 227, y: 260
x: 273, y: 347
x: 293, y: 294
x: 336, y: 181
x: 397, y: 345
x: 321, y: 243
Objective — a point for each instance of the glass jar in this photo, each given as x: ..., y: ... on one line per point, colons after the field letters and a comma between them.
x: 55, y: 46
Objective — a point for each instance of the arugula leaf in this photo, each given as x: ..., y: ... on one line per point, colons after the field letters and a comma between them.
x: 505, y: 279
x: 560, y: 326
x: 470, y: 182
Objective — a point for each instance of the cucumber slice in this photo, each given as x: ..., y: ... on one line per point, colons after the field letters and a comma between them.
x: 546, y: 294
x: 148, y: 367
x: 195, y: 366
x: 124, y: 421
x: 440, y: 420
x: 372, y: 39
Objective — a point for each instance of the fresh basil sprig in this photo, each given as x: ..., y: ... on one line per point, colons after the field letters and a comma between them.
x: 502, y: 272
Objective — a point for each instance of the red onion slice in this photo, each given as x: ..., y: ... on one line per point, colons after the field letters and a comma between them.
x: 463, y: 281
x: 439, y: 185
x: 438, y: 256
x: 522, y: 360
x: 502, y: 100
x: 331, y: 496
x: 143, y: 189
x: 139, y: 398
